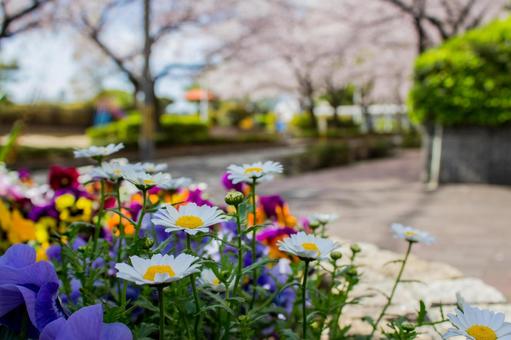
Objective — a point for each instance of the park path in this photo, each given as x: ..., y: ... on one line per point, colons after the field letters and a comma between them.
x: 471, y: 222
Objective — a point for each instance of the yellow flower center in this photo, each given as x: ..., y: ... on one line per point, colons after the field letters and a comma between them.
x: 158, y: 269
x: 410, y: 233
x: 216, y: 281
x: 310, y: 246
x: 189, y: 222
x: 253, y: 169
x: 148, y: 182
x: 480, y: 332
x: 117, y: 172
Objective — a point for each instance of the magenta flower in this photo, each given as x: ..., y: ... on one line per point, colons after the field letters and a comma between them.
x: 84, y: 324
x: 195, y: 196
x: 269, y: 235
x: 229, y: 185
x: 61, y: 177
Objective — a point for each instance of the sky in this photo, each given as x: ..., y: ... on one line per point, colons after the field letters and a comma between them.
x: 49, y: 70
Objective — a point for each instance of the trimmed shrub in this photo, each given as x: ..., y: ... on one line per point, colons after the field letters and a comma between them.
x: 175, y: 130
x: 332, y: 153
x: 77, y: 114
x: 466, y: 80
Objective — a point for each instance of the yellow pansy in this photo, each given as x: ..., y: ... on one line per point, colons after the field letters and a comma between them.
x: 41, y: 252
x: 72, y: 210
x: 41, y: 233
x: 5, y: 217
x: 64, y: 201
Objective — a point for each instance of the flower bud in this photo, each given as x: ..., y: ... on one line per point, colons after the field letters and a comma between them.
x: 314, y: 225
x: 234, y: 198
x: 148, y: 242
x: 352, y: 271
x: 355, y: 248
x: 336, y: 255
x: 224, y: 275
x: 408, y: 326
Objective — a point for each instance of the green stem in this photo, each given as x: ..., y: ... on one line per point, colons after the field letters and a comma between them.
x: 304, y: 304
x: 228, y: 321
x: 122, y: 234
x: 323, y: 229
x: 240, y: 253
x: 65, y: 276
x: 391, y: 296
x: 140, y: 218
x: 121, y: 225
x: 162, y: 311
x: 194, y: 291
x: 123, y: 295
x: 253, y: 245
x: 335, y: 322
x: 100, y: 217
x: 334, y: 326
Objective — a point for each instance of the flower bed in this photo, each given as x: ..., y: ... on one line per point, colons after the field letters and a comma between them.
x: 124, y: 251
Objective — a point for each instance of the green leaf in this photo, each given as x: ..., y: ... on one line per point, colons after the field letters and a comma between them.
x: 421, y: 316
x: 256, y: 265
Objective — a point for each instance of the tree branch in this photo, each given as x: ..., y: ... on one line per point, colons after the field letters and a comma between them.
x: 93, y: 33
x: 9, y: 19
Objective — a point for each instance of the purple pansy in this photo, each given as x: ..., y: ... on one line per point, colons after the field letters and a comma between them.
x: 270, y: 204
x: 85, y: 324
x: 28, y: 288
x: 43, y: 210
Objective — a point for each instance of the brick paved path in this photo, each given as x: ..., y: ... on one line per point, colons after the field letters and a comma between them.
x: 471, y: 222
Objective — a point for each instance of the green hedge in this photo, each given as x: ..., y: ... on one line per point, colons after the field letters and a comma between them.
x: 466, y: 81
x: 300, y: 126
x: 77, y: 114
x: 332, y: 153
x: 174, y: 130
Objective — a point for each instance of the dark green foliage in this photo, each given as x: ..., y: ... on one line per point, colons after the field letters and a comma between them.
x: 466, y: 81
x: 411, y: 139
x: 123, y: 99
x: 75, y: 115
x: 331, y: 153
x: 342, y: 95
x: 343, y: 127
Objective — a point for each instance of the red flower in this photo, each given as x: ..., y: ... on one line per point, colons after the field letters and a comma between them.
x: 61, y: 177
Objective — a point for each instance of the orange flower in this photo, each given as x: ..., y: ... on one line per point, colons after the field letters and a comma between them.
x: 260, y: 216
x: 115, y: 220
x: 22, y: 229
x: 284, y: 217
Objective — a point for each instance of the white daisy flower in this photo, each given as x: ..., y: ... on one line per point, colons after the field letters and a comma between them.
x: 324, y: 218
x: 209, y: 279
x: 307, y: 246
x: 158, y: 269
x: 98, y: 151
x: 113, y: 170
x: 144, y: 180
x: 176, y: 183
x: 191, y: 218
x: 411, y: 234
x: 478, y: 324
x: 151, y: 168
x: 258, y: 171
